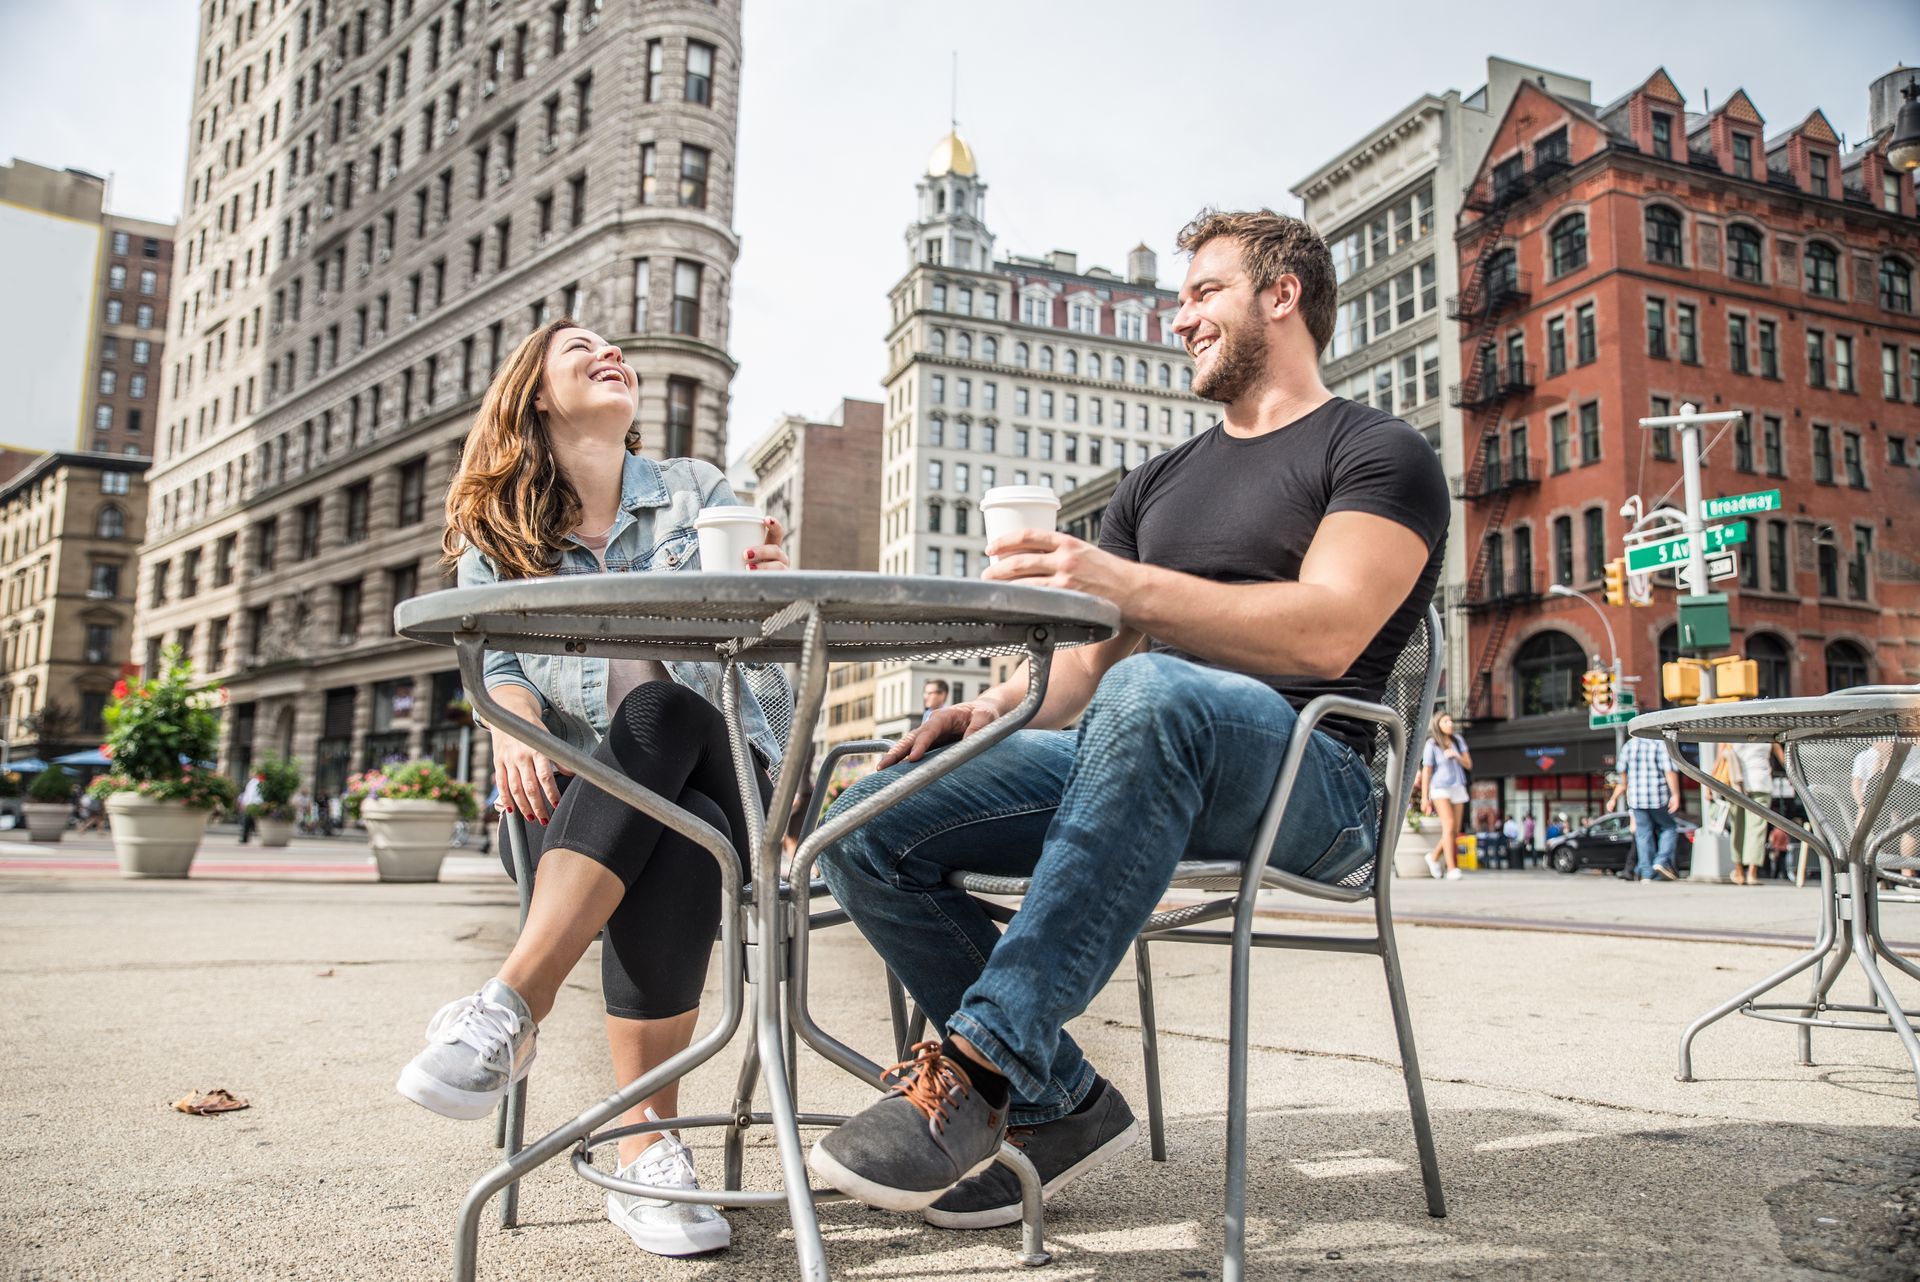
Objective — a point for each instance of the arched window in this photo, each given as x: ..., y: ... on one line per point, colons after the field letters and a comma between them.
x: 1165, y: 376
x: 1140, y: 373
x: 110, y: 524
x: 1775, y: 662
x: 1846, y: 665
x: 1744, y: 258
x: 937, y: 430
x: 1186, y: 378
x: 1070, y: 360
x: 1020, y: 355
x: 1663, y: 236
x: 937, y: 342
x: 1119, y: 370
x: 963, y: 345
x: 1046, y: 357
x: 1546, y: 674
x: 1896, y: 285
x: 990, y: 349
x: 1569, y: 242
x: 1823, y: 270
x: 940, y: 201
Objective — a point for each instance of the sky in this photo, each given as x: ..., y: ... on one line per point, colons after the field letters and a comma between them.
x: 1097, y: 124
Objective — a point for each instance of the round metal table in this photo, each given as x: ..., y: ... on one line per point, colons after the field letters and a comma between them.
x: 1826, y: 742
x: 803, y: 619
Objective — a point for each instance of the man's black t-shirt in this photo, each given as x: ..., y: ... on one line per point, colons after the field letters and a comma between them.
x: 1244, y: 510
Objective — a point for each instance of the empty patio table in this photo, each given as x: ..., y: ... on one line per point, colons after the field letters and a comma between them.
x: 1826, y: 741
x: 743, y: 620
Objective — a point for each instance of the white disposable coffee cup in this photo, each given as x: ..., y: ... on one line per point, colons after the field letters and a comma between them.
x: 1008, y: 509
x: 726, y: 534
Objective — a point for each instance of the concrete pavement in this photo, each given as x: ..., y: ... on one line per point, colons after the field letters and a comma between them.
x: 1568, y: 1149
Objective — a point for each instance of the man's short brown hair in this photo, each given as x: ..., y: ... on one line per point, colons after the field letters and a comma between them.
x: 1271, y: 246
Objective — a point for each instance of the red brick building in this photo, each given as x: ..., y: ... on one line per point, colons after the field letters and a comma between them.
x: 1616, y: 262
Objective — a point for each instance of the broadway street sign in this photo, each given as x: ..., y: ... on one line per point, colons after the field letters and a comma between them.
x: 1740, y: 505
x: 1674, y: 551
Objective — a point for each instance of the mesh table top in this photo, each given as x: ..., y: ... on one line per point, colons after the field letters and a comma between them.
x: 699, y: 616
x: 1861, y: 717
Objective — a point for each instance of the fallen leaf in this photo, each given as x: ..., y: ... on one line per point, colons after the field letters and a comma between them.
x: 219, y: 1100
x: 324, y: 974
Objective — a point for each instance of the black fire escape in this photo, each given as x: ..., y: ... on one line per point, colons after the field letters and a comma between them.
x: 1494, y: 287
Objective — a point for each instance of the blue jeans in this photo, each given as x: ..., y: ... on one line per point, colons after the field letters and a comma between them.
x: 1171, y: 760
x: 1654, y: 834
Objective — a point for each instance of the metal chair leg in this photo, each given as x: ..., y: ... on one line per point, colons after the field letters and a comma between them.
x: 735, y: 1146
x: 1863, y: 951
x: 1233, y: 1263
x: 897, y: 1014
x: 1150, y: 1052
x: 513, y: 1116
x: 1410, y: 1069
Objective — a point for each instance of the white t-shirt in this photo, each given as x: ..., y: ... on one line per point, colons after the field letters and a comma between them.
x: 1756, y: 766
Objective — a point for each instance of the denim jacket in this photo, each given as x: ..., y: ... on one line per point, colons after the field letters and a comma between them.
x: 653, y: 533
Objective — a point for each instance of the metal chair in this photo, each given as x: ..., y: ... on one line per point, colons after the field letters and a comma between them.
x: 1411, y: 690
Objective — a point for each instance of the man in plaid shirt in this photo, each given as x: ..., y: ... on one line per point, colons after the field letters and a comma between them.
x: 1652, y: 788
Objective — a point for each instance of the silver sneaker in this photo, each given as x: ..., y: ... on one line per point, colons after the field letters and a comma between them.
x: 477, y: 1048
x: 660, y: 1226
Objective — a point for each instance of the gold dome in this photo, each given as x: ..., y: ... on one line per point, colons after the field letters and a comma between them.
x: 951, y: 155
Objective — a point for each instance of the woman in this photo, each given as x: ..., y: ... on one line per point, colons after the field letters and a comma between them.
x: 550, y: 483
x: 1444, y: 763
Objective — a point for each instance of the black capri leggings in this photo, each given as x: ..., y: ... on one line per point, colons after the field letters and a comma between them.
x: 656, y: 946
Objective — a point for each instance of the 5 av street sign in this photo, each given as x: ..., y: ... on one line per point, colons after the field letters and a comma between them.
x: 1675, y: 551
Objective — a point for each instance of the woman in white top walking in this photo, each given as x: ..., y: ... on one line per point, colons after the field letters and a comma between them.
x: 1444, y: 763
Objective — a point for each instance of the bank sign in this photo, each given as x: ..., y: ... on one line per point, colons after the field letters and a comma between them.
x: 1545, y: 757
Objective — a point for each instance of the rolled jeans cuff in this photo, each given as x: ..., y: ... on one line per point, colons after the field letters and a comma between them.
x: 1035, y: 1102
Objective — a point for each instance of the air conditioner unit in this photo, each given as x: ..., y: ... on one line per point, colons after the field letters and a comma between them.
x: 489, y: 88
x: 386, y: 253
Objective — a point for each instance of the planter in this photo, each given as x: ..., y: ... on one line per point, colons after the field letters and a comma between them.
x: 46, y: 820
x: 274, y: 832
x: 1410, y: 854
x: 154, y: 838
x: 409, y: 838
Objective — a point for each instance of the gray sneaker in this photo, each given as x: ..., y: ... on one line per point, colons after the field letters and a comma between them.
x: 477, y: 1047
x: 658, y: 1225
x: 928, y: 1133
x: 1061, y: 1151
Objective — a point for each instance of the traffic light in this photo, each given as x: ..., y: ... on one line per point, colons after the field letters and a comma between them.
x: 1597, y: 687
x: 1680, y: 680
x: 1735, y: 678
x: 1617, y: 581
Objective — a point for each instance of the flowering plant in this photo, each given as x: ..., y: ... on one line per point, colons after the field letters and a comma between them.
x: 157, y: 730
x: 410, y: 781
x: 280, y: 779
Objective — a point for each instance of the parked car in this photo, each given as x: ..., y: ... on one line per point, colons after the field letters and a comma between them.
x: 1607, y: 843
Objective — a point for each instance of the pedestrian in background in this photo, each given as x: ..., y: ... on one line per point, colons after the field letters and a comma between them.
x: 250, y: 796
x: 1752, y: 773
x: 1444, y: 763
x: 1651, y: 787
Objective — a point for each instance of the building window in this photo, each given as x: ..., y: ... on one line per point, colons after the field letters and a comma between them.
x: 1589, y: 433
x: 1896, y: 285
x: 681, y: 396
x: 693, y: 177
x: 686, y: 297
x: 1823, y: 270
x: 1569, y: 243
x: 1737, y: 344
x: 656, y: 67
x: 1778, y: 569
x: 1687, y: 331
x: 1846, y: 665
x: 649, y: 171
x: 1743, y: 253
x: 1657, y: 328
x: 1769, y: 350
x: 1771, y: 446
x: 1817, y: 171
x: 1822, y: 454
x: 111, y: 523
x: 1559, y: 442
x: 413, y: 489
x: 1743, y: 445
x: 1547, y: 674
x: 699, y: 72
x: 1563, y: 549
x: 1842, y: 363
x: 1816, y: 358
x: 1663, y: 135
x: 1556, y: 345
x: 1663, y: 235
x: 1851, y: 459
x: 1585, y: 336
x: 1775, y: 663
x: 1662, y: 437
x: 1743, y: 156
x: 1859, y: 563
x: 1890, y: 371
x: 109, y: 381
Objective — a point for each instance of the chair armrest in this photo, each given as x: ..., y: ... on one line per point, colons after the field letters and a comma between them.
x: 853, y: 748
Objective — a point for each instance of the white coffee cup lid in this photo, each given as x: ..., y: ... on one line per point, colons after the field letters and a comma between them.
x: 1007, y: 494
x: 716, y: 515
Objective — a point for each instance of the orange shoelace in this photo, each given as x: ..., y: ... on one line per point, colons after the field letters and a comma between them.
x: 928, y: 1081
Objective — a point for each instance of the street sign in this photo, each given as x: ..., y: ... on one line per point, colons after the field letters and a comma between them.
x: 1640, y: 589
x: 1602, y: 720
x: 1678, y: 550
x: 1723, y: 565
x: 1740, y: 505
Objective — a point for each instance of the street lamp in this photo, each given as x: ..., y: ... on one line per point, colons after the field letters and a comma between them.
x: 1613, y: 653
x: 1903, y: 149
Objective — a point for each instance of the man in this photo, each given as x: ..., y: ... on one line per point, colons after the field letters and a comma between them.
x: 250, y: 796
x: 1286, y: 553
x: 1651, y: 788
x: 933, y: 696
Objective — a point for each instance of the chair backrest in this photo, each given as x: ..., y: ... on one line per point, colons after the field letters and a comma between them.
x: 1411, y: 689
x: 775, y: 694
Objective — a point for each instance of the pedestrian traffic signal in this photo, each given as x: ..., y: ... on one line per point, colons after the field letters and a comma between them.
x: 1735, y: 678
x: 1597, y: 687
x: 1680, y: 680
x: 1617, y: 581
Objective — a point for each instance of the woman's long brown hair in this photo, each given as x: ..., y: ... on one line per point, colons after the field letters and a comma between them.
x: 509, y: 497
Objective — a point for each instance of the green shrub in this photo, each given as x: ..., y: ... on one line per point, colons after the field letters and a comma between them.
x: 51, y: 786
x: 412, y: 781
x: 157, y: 729
x: 279, y: 780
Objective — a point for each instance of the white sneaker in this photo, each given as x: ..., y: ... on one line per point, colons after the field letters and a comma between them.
x: 476, y: 1049
x: 1453, y: 874
x: 660, y: 1226
x: 1436, y: 867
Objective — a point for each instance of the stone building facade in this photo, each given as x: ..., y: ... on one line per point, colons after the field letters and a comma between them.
x: 69, y: 538
x: 381, y: 202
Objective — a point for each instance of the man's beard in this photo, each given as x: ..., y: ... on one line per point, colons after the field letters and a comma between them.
x: 1239, y: 362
